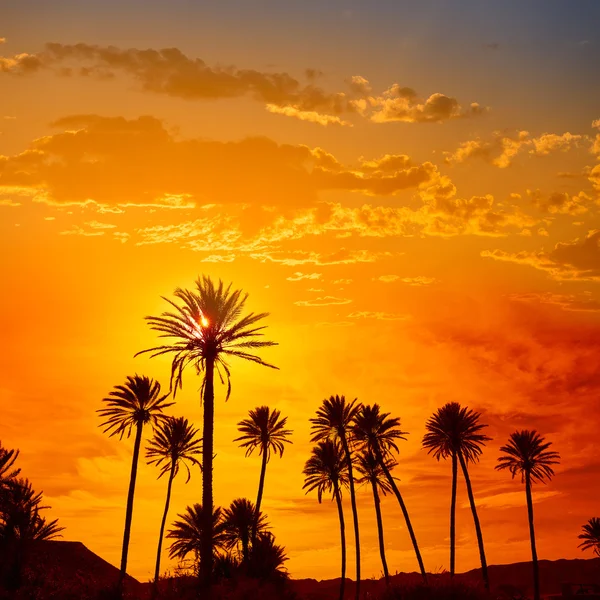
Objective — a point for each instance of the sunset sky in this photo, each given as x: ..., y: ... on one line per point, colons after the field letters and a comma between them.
x: 410, y: 189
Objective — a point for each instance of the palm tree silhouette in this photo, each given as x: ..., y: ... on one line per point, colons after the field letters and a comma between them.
x: 265, y: 430
x: 590, y: 536
x: 7, y: 471
x: 239, y: 521
x: 454, y: 432
x: 527, y: 454
x: 267, y: 558
x: 188, y: 535
x: 334, y: 421
x: 175, y: 443
x: 326, y: 471
x: 208, y: 327
x: 377, y: 432
x: 132, y: 405
x: 372, y: 473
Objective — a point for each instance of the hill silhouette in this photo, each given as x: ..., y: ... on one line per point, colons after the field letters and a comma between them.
x: 54, y: 564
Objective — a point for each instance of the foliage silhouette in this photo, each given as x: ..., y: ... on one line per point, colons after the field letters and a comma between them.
x: 378, y: 433
x: 175, y: 443
x: 526, y: 454
x: 239, y: 521
x: 372, y: 473
x: 136, y: 403
x: 207, y: 328
x: 590, y: 536
x: 455, y: 432
x: 265, y: 430
x: 334, y: 421
x: 326, y: 471
x: 7, y: 470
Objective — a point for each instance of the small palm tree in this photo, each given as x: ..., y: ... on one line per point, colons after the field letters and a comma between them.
x: 132, y: 405
x: 378, y: 433
x: 175, y: 443
x: 239, y: 521
x: 455, y: 432
x: 187, y: 533
x: 265, y: 430
x: 207, y: 328
x: 372, y: 473
x: 590, y: 536
x: 334, y: 421
x: 267, y: 558
x: 527, y: 455
x: 326, y: 471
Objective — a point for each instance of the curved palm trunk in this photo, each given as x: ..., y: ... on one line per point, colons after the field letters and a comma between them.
x: 404, y: 512
x: 354, y: 514
x: 484, y: 569
x: 162, y: 530
x: 453, y: 516
x: 206, y: 542
x: 338, y: 499
x: 261, y: 487
x: 534, y: 559
x: 129, y: 511
x: 377, y: 503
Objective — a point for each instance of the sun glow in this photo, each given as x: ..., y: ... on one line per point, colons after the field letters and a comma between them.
x: 203, y: 321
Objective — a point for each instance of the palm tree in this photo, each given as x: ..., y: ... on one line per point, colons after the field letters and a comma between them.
x: 266, y: 431
x: 187, y: 532
x: 590, y: 536
x: 207, y: 328
x: 239, y: 521
x: 7, y: 460
x: 378, y: 433
x: 333, y: 421
x: 267, y: 558
x: 132, y: 405
x: 175, y: 443
x: 372, y: 474
x: 455, y: 432
x: 527, y: 454
x: 326, y: 471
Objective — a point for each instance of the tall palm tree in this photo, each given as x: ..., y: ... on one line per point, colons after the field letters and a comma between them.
x: 590, y: 536
x: 175, y: 443
x: 239, y: 521
x: 206, y: 328
x: 378, y: 433
x: 132, y: 405
x: 326, y: 471
x: 527, y: 455
x: 265, y: 430
x: 372, y: 473
x: 455, y: 432
x: 187, y: 533
x: 334, y: 421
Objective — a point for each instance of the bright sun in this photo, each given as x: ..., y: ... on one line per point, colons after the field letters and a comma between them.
x: 204, y: 321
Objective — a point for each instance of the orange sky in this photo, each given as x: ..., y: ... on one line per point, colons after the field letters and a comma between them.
x: 412, y: 193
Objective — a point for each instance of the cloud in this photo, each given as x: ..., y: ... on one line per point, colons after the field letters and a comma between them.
x: 307, y: 115
x: 560, y: 202
x: 578, y: 259
x: 502, y: 148
x: 380, y: 316
x: 115, y: 161
x: 298, y: 276
x: 76, y: 230
x: 387, y: 278
x: 402, y: 104
x: 301, y: 257
x: 169, y: 71
x: 420, y: 280
x: 2, y: 40
x: 8, y: 202
x: 324, y: 301
x: 511, y: 499
x: 566, y: 302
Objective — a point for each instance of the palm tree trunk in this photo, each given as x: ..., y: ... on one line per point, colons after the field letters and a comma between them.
x: 453, y: 516
x: 338, y: 499
x: 162, y: 530
x: 534, y: 559
x: 261, y: 487
x: 354, y: 514
x: 206, y: 542
x: 377, y: 503
x: 129, y: 511
x: 484, y: 569
x: 404, y: 512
